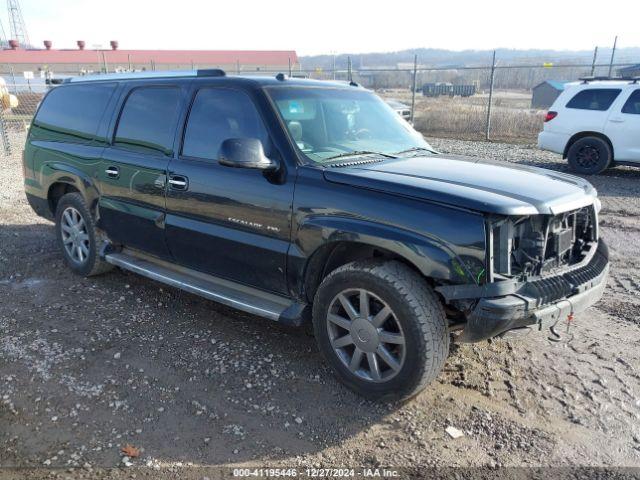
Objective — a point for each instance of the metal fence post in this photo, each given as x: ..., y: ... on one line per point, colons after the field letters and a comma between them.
x: 4, y: 133
x: 13, y: 79
x: 334, y: 65
x: 413, y: 88
x: 593, y: 64
x: 613, y: 53
x: 493, y: 71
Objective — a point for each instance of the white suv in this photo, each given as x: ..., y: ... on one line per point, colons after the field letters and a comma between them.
x: 595, y: 124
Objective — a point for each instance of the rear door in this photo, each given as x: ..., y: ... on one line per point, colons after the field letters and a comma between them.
x: 623, y: 127
x: 133, y: 171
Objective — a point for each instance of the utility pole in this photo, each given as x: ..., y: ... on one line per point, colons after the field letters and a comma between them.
x: 413, y: 89
x: 493, y: 71
x: 593, y: 64
x: 349, y: 69
x: 613, y: 52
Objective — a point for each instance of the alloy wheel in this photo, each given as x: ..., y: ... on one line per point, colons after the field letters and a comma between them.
x: 75, y: 237
x: 365, y: 335
x: 588, y: 156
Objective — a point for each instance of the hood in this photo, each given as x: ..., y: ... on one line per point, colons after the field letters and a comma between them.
x: 482, y: 185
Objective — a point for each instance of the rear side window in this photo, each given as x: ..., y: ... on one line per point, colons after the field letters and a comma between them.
x: 216, y: 115
x: 594, y: 99
x: 148, y: 120
x: 74, y: 111
x: 632, y: 105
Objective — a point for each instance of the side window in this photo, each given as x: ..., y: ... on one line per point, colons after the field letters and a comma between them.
x: 594, y: 99
x: 632, y: 104
x: 216, y: 115
x: 148, y: 119
x: 74, y: 110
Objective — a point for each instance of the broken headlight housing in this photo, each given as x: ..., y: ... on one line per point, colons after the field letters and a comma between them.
x: 535, y: 245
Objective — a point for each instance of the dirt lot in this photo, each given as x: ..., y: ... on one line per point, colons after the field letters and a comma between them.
x: 89, y: 365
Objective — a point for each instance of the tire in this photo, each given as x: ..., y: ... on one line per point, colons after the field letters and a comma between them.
x: 75, y: 229
x: 416, y: 315
x: 589, y: 156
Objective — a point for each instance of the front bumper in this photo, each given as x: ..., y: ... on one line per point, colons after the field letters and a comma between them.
x: 537, y: 306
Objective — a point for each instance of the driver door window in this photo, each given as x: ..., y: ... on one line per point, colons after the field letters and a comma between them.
x: 216, y: 115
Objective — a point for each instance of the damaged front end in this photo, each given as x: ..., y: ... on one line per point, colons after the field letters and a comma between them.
x: 540, y: 270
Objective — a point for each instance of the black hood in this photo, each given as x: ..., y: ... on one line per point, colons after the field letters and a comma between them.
x: 471, y: 183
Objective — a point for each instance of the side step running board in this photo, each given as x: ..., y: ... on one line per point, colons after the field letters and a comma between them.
x: 242, y: 297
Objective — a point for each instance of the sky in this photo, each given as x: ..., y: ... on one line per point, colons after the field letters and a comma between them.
x: 331, y: 26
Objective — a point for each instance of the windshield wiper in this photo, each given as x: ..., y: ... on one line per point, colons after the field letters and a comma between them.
x: 359, y: 152
x: 415, y: 149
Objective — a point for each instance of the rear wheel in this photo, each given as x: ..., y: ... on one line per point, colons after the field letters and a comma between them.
x: 589, y: 156
x: 77, y: 236
x: 381, y: 328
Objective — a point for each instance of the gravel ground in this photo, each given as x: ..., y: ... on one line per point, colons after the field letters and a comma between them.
x: 88, y: 366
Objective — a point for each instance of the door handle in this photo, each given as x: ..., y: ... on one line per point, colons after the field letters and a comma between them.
x: 178, y: 182
x: 113, y: 172
x: 616, y: 120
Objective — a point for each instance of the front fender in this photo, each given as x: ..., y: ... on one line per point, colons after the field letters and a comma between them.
x: 430, y: 255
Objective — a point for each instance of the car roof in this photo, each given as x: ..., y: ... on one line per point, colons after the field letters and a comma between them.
x: 254, y: 80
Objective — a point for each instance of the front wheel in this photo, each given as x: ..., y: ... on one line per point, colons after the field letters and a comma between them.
x: 381, y: 328
x: 78, y: 237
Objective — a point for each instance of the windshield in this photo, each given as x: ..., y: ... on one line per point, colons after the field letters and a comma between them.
x: 327, y: 123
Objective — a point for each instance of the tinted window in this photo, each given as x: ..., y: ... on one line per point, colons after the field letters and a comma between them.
x: 633, y: 103
x: 594, y: 99
x: 148, y: 119
x: 74, y: 110
x: 219, y: 114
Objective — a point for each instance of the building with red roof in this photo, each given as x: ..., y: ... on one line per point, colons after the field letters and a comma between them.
x: 74, y: 61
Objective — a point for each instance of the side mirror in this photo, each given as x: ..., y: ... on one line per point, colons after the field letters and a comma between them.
x: 245, y: 153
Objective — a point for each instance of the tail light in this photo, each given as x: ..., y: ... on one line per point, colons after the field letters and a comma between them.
x: 550, y: 116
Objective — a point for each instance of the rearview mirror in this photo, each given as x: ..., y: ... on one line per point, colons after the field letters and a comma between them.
x: 245, y: 153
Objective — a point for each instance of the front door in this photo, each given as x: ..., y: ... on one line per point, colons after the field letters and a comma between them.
x: 230, y: 222
x: 623, y: 128
x: 133, y: 170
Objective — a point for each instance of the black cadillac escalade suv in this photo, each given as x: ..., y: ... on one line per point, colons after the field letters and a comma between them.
x: 301, y: 200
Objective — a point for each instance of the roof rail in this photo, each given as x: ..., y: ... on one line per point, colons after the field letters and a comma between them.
x: 612, y: 79
x: 212, y: 72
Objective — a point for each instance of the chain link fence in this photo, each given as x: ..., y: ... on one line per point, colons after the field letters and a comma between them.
x: 472, y: 103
